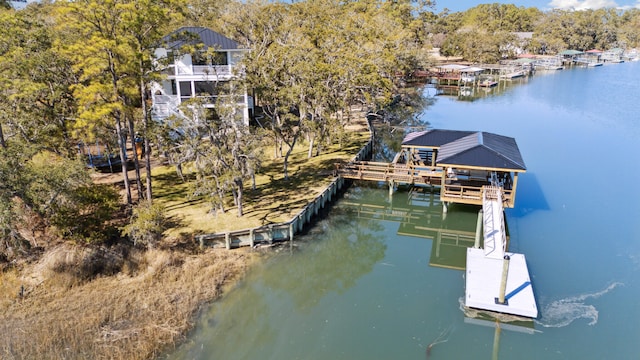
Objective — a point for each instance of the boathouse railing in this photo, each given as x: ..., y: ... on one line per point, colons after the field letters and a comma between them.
x: 469, y: 192
x: 399, y: 173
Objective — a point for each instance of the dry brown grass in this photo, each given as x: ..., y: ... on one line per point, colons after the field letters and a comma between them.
x: 126, y: 316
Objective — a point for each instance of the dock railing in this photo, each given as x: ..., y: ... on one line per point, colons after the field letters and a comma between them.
x: 399, y: 173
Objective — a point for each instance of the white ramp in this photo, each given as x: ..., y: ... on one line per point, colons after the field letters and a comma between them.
x: 495, y: 239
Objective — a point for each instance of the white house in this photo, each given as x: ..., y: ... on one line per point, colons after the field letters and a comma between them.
x: 19, y: 4
x: 204, y: 72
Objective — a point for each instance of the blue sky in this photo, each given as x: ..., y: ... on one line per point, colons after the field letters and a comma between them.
x: 461, y: 5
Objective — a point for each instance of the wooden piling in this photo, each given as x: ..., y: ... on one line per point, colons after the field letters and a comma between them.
x: 503, y: 283
x: 476, y: 244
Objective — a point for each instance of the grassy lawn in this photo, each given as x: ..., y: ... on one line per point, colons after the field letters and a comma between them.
x: 273, y: 201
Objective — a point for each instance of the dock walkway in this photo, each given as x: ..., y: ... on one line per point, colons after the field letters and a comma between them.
x: 495, y: 238
x: 389, y: 172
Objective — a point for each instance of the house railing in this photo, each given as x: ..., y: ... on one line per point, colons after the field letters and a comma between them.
x: 215, y: 70
x: 225, y: 70
x: 164, y: 105
x: 173, y: 101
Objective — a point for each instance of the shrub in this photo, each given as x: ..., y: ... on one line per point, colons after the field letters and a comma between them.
x: 147, y: 224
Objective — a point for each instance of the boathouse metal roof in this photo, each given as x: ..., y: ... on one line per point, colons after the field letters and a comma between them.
x: 470, y: 148
x: 433, y: 138
x: 194, y: 35
x: 472, y: 69
x: 571, y: 52
x: 452, y: 67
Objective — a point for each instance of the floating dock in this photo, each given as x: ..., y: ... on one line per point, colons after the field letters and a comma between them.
x: 497, y: 280
x: 483, y: 282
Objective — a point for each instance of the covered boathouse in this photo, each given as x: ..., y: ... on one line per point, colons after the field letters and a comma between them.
x: 466, y: 161
x: 461, y: 163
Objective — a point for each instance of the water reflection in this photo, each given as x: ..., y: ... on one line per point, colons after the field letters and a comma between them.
x: 419, y: 213
x: 473, y: 93
x: 395, y: 122
x: 333, y: 267
x: 288, y: 286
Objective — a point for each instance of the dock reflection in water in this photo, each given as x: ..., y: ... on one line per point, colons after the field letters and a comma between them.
x: 419, y: 213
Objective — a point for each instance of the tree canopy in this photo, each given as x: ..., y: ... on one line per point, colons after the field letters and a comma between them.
x: 74, y: 72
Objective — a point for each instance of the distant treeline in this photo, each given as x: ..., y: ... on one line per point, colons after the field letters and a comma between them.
x: 489, y: 32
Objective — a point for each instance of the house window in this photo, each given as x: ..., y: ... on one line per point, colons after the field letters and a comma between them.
x: 185, y: 90
x: 174, y: 90
x: 219, y: 58
x: 171, y: 57
x: 205, y: 88
x: 198, y: 58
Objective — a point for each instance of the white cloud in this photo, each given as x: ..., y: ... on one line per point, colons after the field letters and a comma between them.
x: 583, y: 4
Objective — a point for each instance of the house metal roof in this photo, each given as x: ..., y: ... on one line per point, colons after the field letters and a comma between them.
x: 469, y: 148
x: 524, y: 60
x: 194, y: 35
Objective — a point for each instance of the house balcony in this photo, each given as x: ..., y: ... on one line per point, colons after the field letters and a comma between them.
x: 166, y: 105
x: 206, y: 70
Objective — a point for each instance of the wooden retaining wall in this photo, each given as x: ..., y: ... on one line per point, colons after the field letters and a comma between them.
x: 285, y: 231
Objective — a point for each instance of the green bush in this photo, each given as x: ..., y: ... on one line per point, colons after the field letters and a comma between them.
x: 147, y: 224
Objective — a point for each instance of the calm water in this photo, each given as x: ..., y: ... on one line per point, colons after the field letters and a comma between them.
x: 360, y: 285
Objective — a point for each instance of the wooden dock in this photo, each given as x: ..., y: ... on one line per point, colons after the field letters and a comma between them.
x: 470, y: 168
x: 460, y: 163
x: 390, y: 172
x: 464, y: 189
